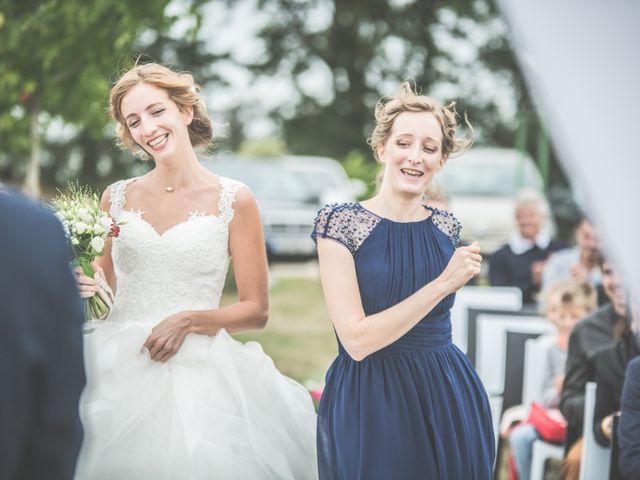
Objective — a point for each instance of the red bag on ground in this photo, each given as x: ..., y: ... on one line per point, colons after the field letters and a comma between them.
x: 550, y: 424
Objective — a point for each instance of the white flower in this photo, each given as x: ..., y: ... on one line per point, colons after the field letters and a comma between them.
x: 84, y: 215
x: 105, y: 222
x: 98, y: 229
x: 74, y: 241
x: 97, y: 244
x: 79, y: 227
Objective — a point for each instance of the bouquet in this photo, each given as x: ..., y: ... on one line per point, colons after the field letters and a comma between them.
x: 87, y: 228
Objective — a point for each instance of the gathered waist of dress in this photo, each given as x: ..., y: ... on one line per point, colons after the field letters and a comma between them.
x: 154, y: 313
x: 432, y: 333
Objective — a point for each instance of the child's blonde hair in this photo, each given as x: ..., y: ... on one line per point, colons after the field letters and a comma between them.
x: 570, y: 293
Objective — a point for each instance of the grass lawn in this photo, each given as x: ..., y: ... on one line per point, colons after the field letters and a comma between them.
x: 299, y: 336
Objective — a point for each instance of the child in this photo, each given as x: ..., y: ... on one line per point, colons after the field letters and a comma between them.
x: 564, y: 303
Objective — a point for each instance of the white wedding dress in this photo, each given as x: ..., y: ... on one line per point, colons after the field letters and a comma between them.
x: 218, y: 409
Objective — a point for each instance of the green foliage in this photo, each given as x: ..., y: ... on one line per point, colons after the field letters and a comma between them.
x: 357, y: 166
x: 60, y: 55
x: 366, y: 48
x: 263, y: 147
x: 58, y: 59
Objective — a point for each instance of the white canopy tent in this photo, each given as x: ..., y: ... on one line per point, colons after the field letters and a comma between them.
x: 581, y: 62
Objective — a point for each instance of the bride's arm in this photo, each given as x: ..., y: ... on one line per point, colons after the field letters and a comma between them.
x: 105, y: 262
x: 249, y: 258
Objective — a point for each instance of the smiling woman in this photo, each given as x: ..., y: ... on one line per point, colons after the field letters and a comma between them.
x: 170, y: 394
x: 400, y: 401
x: 179, y: 88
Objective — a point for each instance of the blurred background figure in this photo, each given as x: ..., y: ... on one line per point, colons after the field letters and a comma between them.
x: 610, y: 367
x: 521, y: 261
x: 591, y: 336
x: 629, y: 424
x: 482, y: 185
x: 437, y: 197
x: 565, y: 303
x: 580, y: 262
x: 41, y: 366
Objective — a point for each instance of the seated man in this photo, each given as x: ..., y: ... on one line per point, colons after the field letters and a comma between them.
x: 590, y: 336
x: 520, y: 262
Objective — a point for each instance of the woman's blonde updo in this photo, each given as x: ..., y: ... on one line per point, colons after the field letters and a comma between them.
x: 180, y: 87
x: 407, y: 99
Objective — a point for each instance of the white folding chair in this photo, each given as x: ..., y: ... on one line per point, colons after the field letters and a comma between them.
x: 596, y: 460
x: 532, y: 391
x: 491, y: 344
x: 495, y: 298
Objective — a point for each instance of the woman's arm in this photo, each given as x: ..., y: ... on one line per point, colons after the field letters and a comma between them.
x: 362, y: 335
x: 105, y: 262
x: 249, y: 258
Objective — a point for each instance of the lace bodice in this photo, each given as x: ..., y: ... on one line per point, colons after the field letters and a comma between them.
x: 182, y: 269
x: 351, y: 224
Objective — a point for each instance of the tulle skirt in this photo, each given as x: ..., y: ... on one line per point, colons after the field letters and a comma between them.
x: 218, y: 409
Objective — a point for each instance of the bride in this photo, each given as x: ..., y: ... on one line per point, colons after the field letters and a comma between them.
x: 170, y: 394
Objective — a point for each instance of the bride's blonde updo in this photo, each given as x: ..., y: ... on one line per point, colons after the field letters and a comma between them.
x: 406, y: 99
x: 180, y: 87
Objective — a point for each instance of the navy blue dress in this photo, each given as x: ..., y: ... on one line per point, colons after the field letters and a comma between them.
x: 415, y: 409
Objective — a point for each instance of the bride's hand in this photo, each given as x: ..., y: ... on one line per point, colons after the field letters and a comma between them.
x: 167, y: 337
x: 87, y: 286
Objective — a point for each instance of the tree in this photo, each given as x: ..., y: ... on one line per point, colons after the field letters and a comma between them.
x: 362, y: 49
x: 57, y: 60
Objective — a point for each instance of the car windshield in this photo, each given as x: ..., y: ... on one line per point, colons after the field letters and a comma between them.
x: 266, y: 181
x: 485, y: 179
x: 316, y: 181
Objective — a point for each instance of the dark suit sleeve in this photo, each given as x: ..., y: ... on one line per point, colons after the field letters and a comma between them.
x: 58, y: 374
x: 577, y: 374
x: 629, y: 426
x: 61, y: 376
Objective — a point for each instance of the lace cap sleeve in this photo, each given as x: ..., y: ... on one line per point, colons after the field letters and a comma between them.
x: 448, y: 224
x: 117, y: 199
x: 346, y: 223
x: 227, y: 197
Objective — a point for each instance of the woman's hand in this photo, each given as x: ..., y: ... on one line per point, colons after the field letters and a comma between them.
x: 87, y: 286
x: 463, y: 266
x: 167, y: 337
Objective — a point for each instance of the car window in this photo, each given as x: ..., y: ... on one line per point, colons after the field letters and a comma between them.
x: 266, y: 181
x: 316, y: 181
x: 486, y: 179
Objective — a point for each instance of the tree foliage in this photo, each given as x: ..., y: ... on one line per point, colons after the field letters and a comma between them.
x: 58, y: 61
x: 365, y: 48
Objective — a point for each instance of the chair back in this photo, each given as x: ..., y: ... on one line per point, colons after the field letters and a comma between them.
x: 595, y: 460
x: 533, y: 377
x: 494, y: 298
